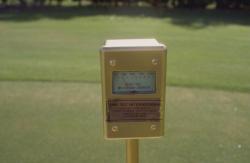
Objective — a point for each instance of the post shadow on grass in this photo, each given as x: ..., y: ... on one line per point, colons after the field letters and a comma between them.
x: 182, y: 17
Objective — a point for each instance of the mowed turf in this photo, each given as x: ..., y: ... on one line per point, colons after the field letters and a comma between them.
x: 50, y: 103
x: 208, y: 49
x: 47, y: 122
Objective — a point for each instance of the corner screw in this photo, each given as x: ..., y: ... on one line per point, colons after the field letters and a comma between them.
x: 114, y: 129
x: 153, y: 127
x: 112, y: 62
x: 155, y: 61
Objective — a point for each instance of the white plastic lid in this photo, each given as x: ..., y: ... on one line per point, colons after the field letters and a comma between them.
x: 133, y: 44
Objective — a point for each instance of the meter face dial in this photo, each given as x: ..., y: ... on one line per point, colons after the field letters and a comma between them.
x: 133, y: 82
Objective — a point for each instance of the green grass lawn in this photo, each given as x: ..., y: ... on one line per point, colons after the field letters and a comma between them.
x: 50, y: 108
x: 206, y: 48
x: 57, y: 122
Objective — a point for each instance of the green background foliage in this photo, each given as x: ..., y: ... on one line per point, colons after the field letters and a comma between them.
x: 201, y: 4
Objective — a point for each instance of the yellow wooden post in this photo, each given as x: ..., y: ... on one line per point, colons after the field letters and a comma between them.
x: 132, y: 150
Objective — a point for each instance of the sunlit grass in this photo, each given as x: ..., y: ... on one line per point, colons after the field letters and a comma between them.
x: 207, y: 50
x: 62, y: 122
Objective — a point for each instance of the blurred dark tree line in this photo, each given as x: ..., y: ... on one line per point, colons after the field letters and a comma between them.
x: 220, y: 4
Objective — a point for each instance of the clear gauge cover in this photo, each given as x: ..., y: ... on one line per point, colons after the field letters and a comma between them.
x: 133, y: 82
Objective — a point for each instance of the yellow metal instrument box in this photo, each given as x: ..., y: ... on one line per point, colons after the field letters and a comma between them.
x: 133, y: 88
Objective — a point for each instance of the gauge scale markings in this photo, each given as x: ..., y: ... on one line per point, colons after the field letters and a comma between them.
x: 133, y: 82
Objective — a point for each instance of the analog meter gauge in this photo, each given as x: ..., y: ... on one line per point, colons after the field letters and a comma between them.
x: 133, y: 82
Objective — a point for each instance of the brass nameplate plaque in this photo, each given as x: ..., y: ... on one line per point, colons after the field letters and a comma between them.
x: 133, y: 110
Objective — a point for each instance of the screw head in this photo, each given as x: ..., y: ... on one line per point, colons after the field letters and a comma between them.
x: 112, y: 62
x: 153, y: 127
x: 155, y: 61
x: 115, y: 129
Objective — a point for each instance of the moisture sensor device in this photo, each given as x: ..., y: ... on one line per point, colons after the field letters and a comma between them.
x: 133, y: 88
